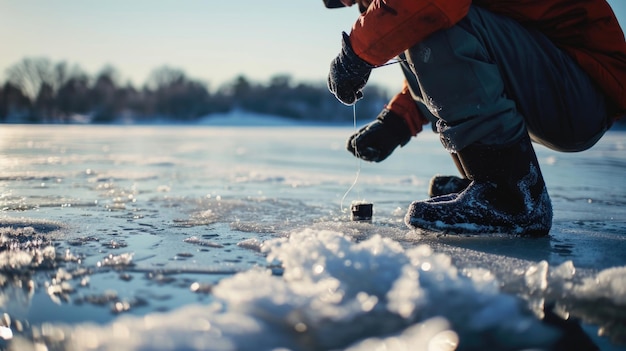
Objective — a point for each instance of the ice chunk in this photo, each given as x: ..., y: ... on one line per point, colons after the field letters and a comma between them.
x: 432, y: 335
x: 608, y: 284
x: 124, y: 259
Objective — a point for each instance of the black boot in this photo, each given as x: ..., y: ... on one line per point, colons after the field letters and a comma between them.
x: 507, y: 195
x: 444, y: 185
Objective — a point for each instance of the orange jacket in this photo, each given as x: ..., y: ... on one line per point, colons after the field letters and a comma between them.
x: 586, y: 29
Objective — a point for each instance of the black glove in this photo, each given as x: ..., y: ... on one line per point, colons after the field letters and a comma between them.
x: 377, y: 140
x: 348, y: 74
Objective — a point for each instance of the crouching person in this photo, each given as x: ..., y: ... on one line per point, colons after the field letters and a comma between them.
x: 493, y: 76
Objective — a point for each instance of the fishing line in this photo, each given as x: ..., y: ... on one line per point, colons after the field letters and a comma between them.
x: 393, y: 62
x: 358, y: 170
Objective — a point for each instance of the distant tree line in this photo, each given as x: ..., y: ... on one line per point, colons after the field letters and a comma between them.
x: 37, y: 90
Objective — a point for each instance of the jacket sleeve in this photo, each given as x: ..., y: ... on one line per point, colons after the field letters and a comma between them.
x: 389, y: 27
x: 404, y: 106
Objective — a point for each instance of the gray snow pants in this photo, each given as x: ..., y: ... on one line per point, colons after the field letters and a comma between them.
x: 488, y: 80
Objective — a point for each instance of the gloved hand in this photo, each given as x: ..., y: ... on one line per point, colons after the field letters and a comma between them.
x: 348, y: 74
x: 377, y: 140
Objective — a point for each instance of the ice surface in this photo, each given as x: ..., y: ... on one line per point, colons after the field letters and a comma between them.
x: 208, y: 238
x: 334, y: 293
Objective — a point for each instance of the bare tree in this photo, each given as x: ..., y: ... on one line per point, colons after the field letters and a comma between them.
x: 165, y: 77
x: 73, y: 96
x: 13, y: 103
x: 103, y: 95
x: 175, y: 95
x: 31, y: 74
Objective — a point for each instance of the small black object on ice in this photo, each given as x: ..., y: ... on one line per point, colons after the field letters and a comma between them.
x: 362, y: 211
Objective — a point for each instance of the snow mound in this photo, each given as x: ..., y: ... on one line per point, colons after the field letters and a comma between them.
x: 333, y: 293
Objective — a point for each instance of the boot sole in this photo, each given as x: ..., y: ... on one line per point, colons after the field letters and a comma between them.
x: 439, y: 227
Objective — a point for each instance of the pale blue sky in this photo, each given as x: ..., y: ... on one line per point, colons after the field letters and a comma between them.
x: 210, y: 40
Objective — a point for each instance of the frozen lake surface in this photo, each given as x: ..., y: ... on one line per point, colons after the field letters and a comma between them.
x: 239, y: 238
